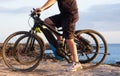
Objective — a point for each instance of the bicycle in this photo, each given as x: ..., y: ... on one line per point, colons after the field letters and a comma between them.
x: 23, y: 50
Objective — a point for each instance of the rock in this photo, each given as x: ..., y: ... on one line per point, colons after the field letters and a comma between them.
x: 118, y: 62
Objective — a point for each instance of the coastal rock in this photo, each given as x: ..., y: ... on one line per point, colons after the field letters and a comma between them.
x: 118, y: 62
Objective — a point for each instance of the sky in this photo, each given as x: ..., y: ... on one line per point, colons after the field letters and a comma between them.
x: 100, y: 15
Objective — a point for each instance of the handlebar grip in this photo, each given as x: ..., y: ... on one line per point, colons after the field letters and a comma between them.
x: 33, y: 13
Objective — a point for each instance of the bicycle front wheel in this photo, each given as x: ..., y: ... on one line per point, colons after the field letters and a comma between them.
x: 26, y: 53
x: 9, y: 44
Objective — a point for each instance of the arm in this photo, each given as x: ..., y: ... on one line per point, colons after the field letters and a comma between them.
x: 48, y: 4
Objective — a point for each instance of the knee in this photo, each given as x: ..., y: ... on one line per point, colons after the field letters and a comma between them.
x: 48, y: 21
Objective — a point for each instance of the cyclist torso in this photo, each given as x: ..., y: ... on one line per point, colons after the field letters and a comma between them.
x: 68, y: 7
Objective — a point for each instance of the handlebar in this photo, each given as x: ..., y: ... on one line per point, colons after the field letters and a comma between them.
x: 33, y: 14
x: 36, y: 17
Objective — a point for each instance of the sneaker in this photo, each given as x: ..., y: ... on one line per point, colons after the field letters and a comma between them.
x: 75, y: 67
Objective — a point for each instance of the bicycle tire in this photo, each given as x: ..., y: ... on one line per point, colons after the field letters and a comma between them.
x: 103, y: 49
x: 6, y: 57
x: 9, y: 43
x: 82, y: 49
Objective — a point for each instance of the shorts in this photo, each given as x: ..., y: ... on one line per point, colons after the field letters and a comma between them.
x: 67, y: 23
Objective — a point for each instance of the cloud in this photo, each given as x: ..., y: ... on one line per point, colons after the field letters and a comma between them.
x: 15, y: 11
x: 109, y: 12
x: 102, y: 17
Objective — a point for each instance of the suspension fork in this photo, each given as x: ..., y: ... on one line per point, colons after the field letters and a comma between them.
x: 30, y: 42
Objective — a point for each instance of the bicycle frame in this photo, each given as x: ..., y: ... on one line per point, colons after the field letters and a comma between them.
x: 40, y: 25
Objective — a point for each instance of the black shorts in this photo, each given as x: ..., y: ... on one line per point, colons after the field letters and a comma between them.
x: 67, y: 23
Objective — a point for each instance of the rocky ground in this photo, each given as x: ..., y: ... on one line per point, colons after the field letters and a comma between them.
x: 50, y: 68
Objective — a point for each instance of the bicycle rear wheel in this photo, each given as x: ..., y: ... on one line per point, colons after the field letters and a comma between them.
x: 87, y: 46
x: 103, y: 49
x: 18, y: 60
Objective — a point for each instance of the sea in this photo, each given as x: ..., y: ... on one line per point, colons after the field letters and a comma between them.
x: 114, y: 50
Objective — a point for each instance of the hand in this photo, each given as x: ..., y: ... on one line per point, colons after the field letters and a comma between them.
x: 38, y: 11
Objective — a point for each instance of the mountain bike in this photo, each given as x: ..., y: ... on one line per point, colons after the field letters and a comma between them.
x: 24, y: 50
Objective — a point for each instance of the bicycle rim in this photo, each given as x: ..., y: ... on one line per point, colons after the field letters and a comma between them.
x: 102, y: 49
x: 87, y: 51
x: 14, y: 61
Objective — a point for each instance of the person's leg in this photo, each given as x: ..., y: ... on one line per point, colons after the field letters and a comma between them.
x: 68, y: 33
x: 73, y: 49
x: 49, y: 22
x: 52, y: 25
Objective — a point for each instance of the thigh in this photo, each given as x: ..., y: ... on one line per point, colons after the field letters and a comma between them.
x: 57, y: 20
x: 49, y: 21
x: 68, y: 28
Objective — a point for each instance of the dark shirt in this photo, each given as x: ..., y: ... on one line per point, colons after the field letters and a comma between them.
x: 68, y: 7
